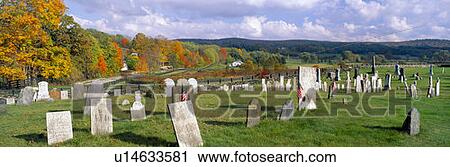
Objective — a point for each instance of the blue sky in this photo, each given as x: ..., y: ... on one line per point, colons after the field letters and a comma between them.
x: 335, y: 20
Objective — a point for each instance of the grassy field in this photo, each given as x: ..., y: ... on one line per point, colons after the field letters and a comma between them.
x: 221, y: 118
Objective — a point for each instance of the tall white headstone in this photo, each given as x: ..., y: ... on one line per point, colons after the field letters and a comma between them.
x: 169, y: 84
x: 43, y: 91
x: 193, y: 82
x: 438, y: 87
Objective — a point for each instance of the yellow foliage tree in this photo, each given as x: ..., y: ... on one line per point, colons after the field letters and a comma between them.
x: 26, y: 49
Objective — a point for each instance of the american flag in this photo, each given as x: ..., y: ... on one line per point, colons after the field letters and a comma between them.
x: 184, y: 97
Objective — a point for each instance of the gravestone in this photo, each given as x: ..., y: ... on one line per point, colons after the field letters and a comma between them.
x: 319, y: 80
x: 125, y: 102
x: 26, y: 96
x: 402, y: 75
x: 431, y: 70
x: 55, y: 94
x: 117, y: 92
x: 281, y: 84
x: 94, y: 91
x: 101, y: 117
x: 185, y: 124
x: 356, y: 73
x: 307, y: 77
x: 438, y: 87
x: 387, y: 85
x: 59, y: 127
x: 169, y: 84
x: 78, y: 91
x: 138, y: 109
x: 226, y: 88
x: 412, y: 122
x: 253, y: 113
x: 413, y: 88
x: 64, y: 95
x: 338, y: 75
x: 288, y: 85
x: 287, y: 112
x: 194, y: 84
x: 379, y: 85
x: 43, y: 93
x: 128, y: 89
x: 397, y: 70
x: 430, y: 91
x: 263, y: 85
x: 10, y: 100
x: 2, y: 101
x: 349, y: 86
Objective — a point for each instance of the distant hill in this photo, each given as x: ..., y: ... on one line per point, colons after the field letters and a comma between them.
x: 391, y: 50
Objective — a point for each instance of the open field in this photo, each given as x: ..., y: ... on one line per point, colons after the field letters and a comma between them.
x: 221, y: 118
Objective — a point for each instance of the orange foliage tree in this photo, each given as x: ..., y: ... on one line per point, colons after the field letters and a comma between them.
x: 102, y: 65
x: 223, y: 54
x: 142, y: 65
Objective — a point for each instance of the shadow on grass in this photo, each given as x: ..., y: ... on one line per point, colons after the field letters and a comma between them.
x: 220, y: 123
x: 33, y: 137
x: 144, y: 140
x: 399, y: 129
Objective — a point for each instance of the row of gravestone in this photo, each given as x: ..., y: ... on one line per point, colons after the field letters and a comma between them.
x: 29, y: 94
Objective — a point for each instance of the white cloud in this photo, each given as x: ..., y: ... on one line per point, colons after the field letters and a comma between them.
x: 350, y: 27
x: 369, y: 9
x: 253, y: 25
x: 439, y: 29
x: 315, y: 31
x: 399, y: 24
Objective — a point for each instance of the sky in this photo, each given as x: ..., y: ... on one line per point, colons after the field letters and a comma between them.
x: 326, y: 20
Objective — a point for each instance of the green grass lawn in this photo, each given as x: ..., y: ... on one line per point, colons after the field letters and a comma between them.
x: 221, y: 118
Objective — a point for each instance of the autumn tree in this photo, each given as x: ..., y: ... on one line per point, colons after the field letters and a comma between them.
x: 26, y: 48
x: 102, y: 65
x: 223, y: 55
x: 119, y: 55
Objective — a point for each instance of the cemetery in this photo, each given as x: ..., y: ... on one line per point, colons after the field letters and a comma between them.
x: 316, y: 105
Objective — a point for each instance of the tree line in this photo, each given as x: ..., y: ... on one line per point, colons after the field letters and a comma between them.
x: 38, y: 40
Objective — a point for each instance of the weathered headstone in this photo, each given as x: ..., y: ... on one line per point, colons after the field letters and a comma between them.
x: 169, y: 84
x: 138, y: 109
x: 185, y: 124
x: 307, y: 77
x: 55, y: 94
x: 43, y: 93
x: 64, y: 95
x: 253, y: 113
x: 194, y: 84
x: 287, y: 112
x: 349, y: 86
x: 101, y: 117
x: 281, y: 83
x: 78, y: 91
x: 95, y: 91
x: 59, y: 127
x: 26, y: 96
x: 412, y: 122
